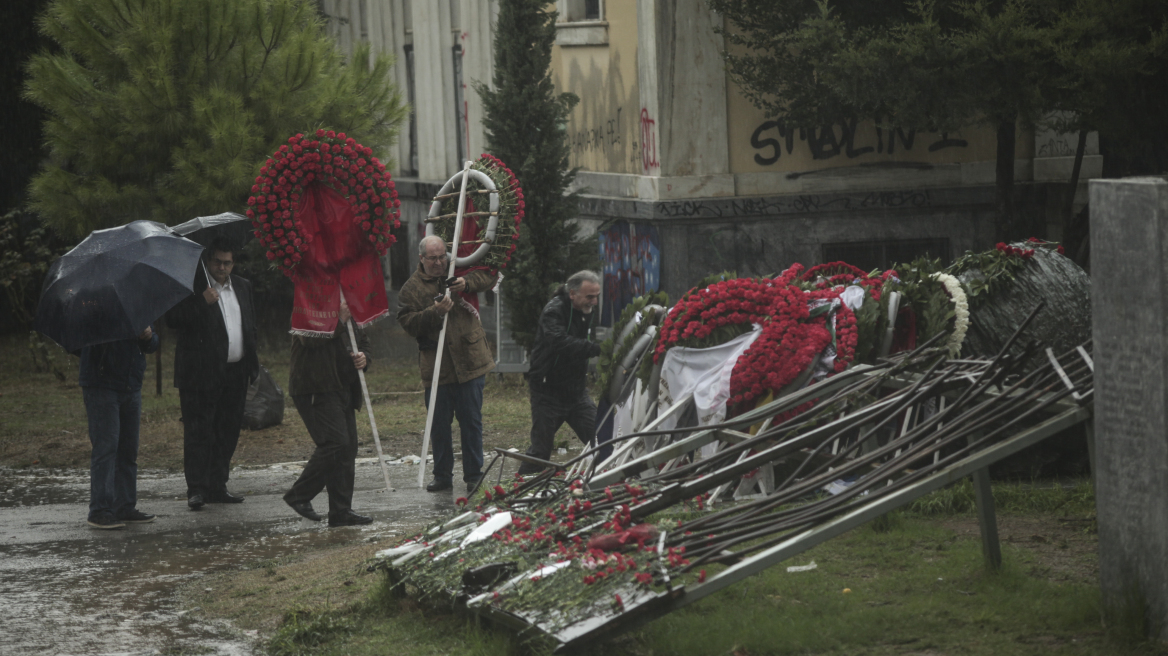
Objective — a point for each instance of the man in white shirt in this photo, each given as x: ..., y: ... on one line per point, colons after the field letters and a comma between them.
x: 214, y: 361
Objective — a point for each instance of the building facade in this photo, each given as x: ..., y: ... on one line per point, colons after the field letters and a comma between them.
x: 681, y: 175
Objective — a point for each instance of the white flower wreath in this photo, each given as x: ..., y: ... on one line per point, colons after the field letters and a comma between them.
x: 961, y: 311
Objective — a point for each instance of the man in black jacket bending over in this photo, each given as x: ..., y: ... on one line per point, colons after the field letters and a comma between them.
x: 559, y: 362
x: 214, y: 361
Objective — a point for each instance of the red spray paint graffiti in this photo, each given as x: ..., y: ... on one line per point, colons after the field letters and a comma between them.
x: 648, y: 142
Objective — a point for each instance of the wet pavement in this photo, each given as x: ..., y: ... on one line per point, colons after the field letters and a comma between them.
x: 66, y: 588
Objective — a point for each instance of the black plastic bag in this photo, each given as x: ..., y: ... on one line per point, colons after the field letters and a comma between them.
x: 265, y: 402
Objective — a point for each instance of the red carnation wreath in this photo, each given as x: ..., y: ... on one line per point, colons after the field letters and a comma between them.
x: 798, y: 327
x: 335, y: 161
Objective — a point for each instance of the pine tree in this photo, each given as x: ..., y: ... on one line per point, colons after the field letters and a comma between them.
x: 165, y: 109
x: 525, y: 121
x: 20, y: 142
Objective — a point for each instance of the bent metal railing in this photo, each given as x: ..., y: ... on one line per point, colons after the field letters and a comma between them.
x: 878, y: 436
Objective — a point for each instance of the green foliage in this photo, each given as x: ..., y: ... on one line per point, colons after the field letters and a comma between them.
x: 27, y: 250
x: 165, y: 109
x: 21, y: 152
x: 871, y: 324
x: 927, y: 297
x: 525, y: 123
x: 1116, y: 54
x: 611, y: 353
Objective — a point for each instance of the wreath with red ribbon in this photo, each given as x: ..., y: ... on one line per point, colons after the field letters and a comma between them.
x: 336, y: 161
x: 798, y: 327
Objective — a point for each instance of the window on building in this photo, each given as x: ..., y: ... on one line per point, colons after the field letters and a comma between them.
x: 581, y: 23
x: 580, y: 10
x: 869, y: 255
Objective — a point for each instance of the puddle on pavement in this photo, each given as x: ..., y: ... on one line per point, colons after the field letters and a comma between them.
x: 113, y: 592
x: 39, y: 487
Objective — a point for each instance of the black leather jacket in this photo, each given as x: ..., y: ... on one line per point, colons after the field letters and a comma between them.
x: 559, y: 360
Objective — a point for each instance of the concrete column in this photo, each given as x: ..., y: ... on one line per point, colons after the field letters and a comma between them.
x: 478, y: 64
x: 691, y: 90
x: 387, y: 35
x: 343, y: 22
x: 434, y: 90
x: 1129, y: 309
x: 648, y: 71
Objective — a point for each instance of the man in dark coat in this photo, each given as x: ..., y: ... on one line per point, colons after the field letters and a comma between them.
x: 111, y: 384
x: 326, y: 389
x: 559, y: 362
x: 214, y: 362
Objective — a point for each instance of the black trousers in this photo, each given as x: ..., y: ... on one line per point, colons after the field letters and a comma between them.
x: 549, y: 411
x: 332, y: 424
x: 211, y: 421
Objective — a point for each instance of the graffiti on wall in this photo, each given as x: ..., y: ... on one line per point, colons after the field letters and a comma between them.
x: 843, y: 138
x: 632, y: 266
x: 648, y: 142
x: 605, y: 135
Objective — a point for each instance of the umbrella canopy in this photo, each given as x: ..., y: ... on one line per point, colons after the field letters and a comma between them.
x: 204, y: 229
x: 115, y: 283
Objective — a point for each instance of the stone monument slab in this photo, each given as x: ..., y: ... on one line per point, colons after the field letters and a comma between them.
x: 1129, y: 309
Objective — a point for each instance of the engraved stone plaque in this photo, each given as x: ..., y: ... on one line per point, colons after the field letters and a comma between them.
x: 1129, y: 308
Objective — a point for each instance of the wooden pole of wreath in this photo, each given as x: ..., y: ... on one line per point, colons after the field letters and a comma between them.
x: 442, y: 335
x: 369, y: 407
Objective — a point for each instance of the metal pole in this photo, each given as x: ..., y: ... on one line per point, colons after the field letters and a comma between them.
x: 369, y: 407
x: 987, y: 519
x: 442, y: 335
x: 158, y: 361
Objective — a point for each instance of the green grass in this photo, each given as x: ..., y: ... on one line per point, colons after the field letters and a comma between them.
x: 1035, y: 497
x: 43, y: 422
x: 913, y: 588
x: 383, y: 624
x: 910, y: 584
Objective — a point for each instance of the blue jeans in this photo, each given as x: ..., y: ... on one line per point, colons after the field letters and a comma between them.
x: 113, y: 463
x: 465, y: 401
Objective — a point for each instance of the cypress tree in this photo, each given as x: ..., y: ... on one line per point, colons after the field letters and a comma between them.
x: 164, y: 109
x: 525, y: 122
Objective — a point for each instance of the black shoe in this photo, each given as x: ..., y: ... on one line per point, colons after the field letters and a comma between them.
x: 105, y: 521
x: 195, y: 501
x: 437, y: 485
x: 223, y: 496
x: 471, y: 485
x: 304, y: 509
x: 136, y: 516
x: 349, y: 518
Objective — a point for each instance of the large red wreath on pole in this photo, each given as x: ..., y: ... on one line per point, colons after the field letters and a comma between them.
x: 324, y: 207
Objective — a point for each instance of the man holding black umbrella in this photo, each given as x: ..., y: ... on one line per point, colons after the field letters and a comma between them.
x: 111, y: 384
x: 214, y: 361
x: 95, y: 299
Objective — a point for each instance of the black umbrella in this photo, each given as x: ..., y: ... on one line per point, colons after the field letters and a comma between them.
x: 115, y: 283
x: 204, y: 229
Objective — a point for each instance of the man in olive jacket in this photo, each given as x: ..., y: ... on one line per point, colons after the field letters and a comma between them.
x: 326, y: 389
x: 466, y: 357
x: 559, y: 363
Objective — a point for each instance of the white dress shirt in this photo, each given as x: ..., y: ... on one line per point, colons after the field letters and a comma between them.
x: 229, y: 305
